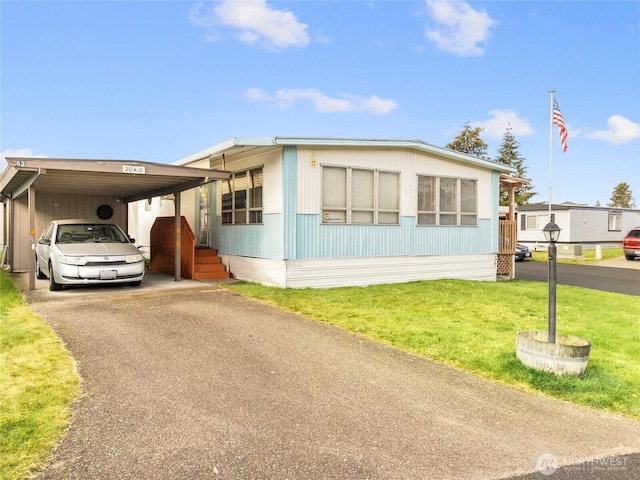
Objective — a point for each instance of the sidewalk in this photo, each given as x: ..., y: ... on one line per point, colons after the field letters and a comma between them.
x: 619, y: 262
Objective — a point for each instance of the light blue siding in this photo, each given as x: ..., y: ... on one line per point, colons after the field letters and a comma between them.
x: 291, y: 236
x: 289, y: 189
x: 316, y: 240
x: 262, y: 241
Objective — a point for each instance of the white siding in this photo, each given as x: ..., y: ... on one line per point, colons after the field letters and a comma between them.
x: 533, y: 235
x: 142, y: 215
x: 579, y: 225
x: 258, y: 270
x: 360, y: 271
x: 409, y: 163
x: 272, y: 176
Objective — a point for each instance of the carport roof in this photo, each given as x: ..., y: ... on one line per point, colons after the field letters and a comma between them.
x: 127, y: 179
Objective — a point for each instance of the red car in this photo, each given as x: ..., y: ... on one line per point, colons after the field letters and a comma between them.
x: 631, y: 244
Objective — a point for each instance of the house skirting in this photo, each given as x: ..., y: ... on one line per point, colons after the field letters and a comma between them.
x: 360, y: 271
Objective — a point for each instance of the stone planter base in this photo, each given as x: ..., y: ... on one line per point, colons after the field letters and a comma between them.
x: 568, y: 356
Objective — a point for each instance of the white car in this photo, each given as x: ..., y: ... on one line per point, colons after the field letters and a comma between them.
x: 87, y: 252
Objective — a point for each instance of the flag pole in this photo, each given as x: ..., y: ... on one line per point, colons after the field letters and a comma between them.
x: 551, y: 92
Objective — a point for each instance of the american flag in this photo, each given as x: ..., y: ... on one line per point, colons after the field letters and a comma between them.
x: 558, y: 120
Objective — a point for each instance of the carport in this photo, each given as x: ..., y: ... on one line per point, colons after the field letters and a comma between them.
x: 35, y: 191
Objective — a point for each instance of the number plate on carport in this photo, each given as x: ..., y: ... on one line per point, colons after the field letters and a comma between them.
x: 108, y: 274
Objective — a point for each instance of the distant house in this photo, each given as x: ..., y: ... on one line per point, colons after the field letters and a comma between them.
x: 321, y: 212
x: 580, y: 224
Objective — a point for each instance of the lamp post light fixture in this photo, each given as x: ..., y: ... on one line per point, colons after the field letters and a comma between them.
x: 551, y: 234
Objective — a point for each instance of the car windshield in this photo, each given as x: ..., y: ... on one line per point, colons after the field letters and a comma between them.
x: 90, y: 233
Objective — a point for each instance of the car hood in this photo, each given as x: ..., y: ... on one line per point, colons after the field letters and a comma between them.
x: 78, y: 249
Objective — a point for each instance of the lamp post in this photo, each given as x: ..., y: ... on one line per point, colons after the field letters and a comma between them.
x: 551, y: 235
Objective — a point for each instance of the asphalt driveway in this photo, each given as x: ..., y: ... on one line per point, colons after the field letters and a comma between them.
x: 200, y: 383
x: 611, y: 276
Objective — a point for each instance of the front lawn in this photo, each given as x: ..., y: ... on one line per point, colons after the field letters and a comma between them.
x: 589, y: 256
x: 472, y: 326
x: 38, y: 383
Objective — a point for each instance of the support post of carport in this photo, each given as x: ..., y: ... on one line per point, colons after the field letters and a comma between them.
x: 177, y: 225
x: 31, y: 194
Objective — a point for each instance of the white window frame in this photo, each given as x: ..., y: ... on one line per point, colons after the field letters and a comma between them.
x: 535, y: 221
x: 437, y: 214
x: 251, y: 212
x: 344, y: 214
x: 614, y: 222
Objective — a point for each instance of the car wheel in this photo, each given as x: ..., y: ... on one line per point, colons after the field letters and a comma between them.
x: 630, y: 257
x: 53, y: 285
x: 39, y: 274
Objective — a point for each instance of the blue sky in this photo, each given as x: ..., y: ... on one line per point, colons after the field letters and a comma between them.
x: 160, y: 80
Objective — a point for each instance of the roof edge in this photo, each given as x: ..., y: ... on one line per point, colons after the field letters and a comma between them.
x: 343, y: 142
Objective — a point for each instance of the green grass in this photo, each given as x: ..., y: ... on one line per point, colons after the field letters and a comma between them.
x: 472, y: 326
x: 38, y: 383
x: 589, y: 256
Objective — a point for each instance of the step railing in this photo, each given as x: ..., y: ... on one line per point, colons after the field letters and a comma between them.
x: 162, y: 248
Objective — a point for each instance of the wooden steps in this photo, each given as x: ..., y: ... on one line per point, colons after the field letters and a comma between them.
x: 207, y: 265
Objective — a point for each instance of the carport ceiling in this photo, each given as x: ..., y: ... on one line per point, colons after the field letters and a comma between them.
x: 129, y: 180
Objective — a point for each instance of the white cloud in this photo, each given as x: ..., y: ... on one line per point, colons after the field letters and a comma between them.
x: 199, y: 19
x: 256, y: 94
x: 621, y: 130
x: 322, y: 38
x: 501, y: 120
x: 459, y: 28
x: 257, y: 23
x: 18, y: 152
x: 348, y: 103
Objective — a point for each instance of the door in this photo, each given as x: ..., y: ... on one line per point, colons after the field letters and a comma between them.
x: 203, y: 217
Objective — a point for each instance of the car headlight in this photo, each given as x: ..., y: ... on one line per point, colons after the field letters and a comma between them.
x: 72, y: 260
x: 134, y: 258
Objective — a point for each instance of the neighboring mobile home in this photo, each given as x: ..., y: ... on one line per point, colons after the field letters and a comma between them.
x: 320, y: 212
x: 580, y: 224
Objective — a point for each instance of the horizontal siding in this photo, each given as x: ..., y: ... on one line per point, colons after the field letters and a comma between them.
x: 258, y: 270
x: 579, y: 225
x: 593, y: 226
x: 327, y: 273
x: 316, y: 240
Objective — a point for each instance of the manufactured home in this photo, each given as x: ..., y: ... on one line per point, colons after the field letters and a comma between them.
x: 581, y: 225
x: 322, y: 212
x: 282, y: 211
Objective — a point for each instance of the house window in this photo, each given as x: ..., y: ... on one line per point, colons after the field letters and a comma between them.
x: 242, y: 198
x: 532, y: 222
x: 615, y: 221
x: 535, y: 222
x: 360, y: 196
x: 447, y: 201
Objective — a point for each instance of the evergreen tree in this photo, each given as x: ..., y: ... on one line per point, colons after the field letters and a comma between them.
x: 468, y: 141
x: 621, y: 196
x: 508, y: 154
